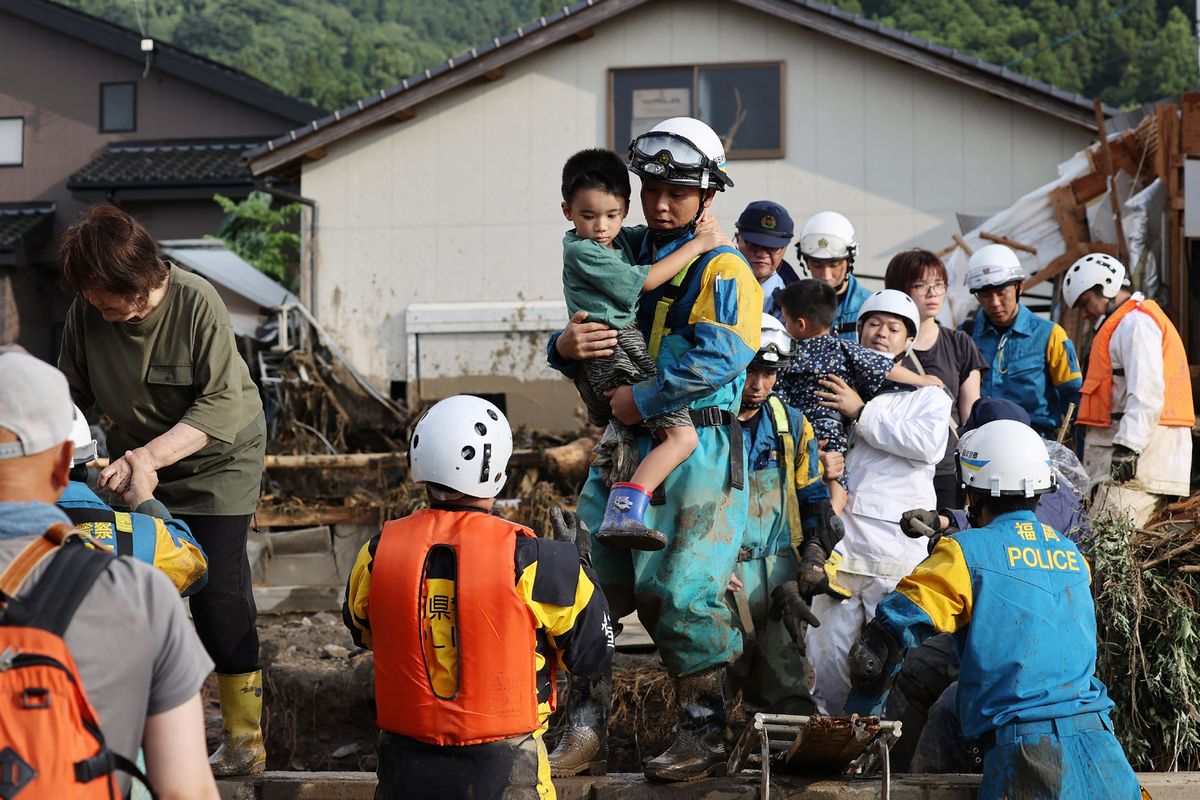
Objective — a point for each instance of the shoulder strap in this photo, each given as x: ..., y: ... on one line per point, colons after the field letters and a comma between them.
x: 788, y: 462
x: 30, y: 556
x: 60, y: 590
x: 669, y: 295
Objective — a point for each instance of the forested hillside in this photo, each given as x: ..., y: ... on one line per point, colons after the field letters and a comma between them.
x: 333, y: 52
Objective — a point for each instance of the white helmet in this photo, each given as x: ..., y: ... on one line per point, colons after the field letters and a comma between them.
x: 775, y: 347
x: 827, y: 235
x: 993, y: 265
x: 891, y: 301
x: 682, y: 151
x: 1098, y: 270
x: 464, y: 443
x: 1005, y: 457
x: 81, y: 437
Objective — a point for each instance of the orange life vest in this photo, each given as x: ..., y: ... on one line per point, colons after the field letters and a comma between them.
x: 494, y: 631
x: 1095, y: 405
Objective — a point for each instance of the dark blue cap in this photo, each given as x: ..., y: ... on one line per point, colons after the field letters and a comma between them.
x: 990, y: 409
x: 766, y: 224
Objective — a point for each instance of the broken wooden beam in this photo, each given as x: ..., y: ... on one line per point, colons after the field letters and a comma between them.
x: 1064, y: 261
x: 1111, y: 183
x: 1004, y: 240
x: 521, y: 458
x: 961, y: 242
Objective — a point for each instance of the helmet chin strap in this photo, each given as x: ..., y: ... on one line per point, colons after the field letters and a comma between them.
x: 748, y: 406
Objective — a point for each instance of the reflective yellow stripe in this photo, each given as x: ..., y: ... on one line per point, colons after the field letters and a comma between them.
x: 780, y: 418
x: 124, y: 522
x: 941, y: 587
x: 659, y: 329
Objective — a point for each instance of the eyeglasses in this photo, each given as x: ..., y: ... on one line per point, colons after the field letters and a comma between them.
x: 930, y: 289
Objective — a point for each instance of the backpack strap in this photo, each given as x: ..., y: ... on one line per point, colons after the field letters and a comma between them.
x: 787, y: 447
x: 59, y: 591
x: 30, y: 556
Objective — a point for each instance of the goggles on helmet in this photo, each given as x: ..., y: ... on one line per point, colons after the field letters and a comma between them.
x: 771, y: 356
x: 671, y: 158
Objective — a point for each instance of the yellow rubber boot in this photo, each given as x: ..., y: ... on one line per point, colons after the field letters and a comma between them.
x: 242, y: 751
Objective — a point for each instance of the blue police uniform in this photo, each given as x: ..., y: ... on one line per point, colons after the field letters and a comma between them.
x: 784, y: 276
x: 772, y: 674
x: 1016, y: 595
x: 849, y: 304
x: 155, y: 538
x: 708, y: 336
x: 1033, y: 364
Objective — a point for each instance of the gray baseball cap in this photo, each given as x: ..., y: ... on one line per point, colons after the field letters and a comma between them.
x: 35, y: 404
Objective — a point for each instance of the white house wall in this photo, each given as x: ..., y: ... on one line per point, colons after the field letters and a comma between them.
x: 461, y: 202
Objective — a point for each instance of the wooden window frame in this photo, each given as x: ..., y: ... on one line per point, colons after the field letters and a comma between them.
x: 746, y: 154
x: 101, y: 127
x: 21, y: 162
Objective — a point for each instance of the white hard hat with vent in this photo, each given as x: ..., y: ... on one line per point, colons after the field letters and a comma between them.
x: 827, y: 236
x: 992, y: 266
x: 464, y: 443
x: 1005, y: 458
x: 891, y: 301
x: 1097, y: 270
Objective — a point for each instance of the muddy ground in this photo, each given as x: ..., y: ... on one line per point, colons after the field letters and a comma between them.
x: 319, y: 708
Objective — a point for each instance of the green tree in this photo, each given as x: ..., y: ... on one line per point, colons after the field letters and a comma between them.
x: 256, y: 232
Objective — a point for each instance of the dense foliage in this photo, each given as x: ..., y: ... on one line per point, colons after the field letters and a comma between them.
x: 333, y: 52
x: 259, y: 233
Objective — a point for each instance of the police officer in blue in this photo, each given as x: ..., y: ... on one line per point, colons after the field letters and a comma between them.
x: 764, y: 231
x: 789, y: 511
x: 148, y: 533
x: 1031, y: 360
x: 1016, y: 595
x: 827, y: 249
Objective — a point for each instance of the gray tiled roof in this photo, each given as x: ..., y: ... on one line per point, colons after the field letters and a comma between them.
x: 167, y: 163
x: 913, y: 43
x: 23, y: 226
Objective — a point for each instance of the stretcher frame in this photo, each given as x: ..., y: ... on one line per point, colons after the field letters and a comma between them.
x: 783, y: 742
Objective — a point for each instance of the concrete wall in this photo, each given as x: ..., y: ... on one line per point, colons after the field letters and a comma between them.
x: 461, y: 203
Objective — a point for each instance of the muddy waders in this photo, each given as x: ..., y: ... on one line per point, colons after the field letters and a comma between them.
x: 699, y: 750
x: 242, y: 751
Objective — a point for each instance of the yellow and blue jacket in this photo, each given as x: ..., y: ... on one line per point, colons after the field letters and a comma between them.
x: 1033, y: 364
x: 152, y: 536
x: 1016, y: 595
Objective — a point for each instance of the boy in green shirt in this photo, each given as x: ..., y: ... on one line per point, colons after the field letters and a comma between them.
x: 602, y: 277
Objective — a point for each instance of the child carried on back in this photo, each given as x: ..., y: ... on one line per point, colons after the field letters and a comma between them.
x: 602, y: 277
x: 809, y: 307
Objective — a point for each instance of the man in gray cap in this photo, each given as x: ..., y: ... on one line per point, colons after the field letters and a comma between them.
x: 140, y: 661
x: 764, y: 230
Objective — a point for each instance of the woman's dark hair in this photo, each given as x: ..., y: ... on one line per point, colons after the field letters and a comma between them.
x: 595, y: 169
x: 910, y: 266
x: 811, y: 299
x: 108, y: 250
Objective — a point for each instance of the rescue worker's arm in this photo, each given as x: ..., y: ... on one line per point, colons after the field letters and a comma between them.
x: 567, y: 603
x: 936, y: 598
x: 1062, y: 365
x: 914, y: 425
x: 726, y: 324
x: 1140, y: 342
x: 176, y: 552
x: 358, y: 595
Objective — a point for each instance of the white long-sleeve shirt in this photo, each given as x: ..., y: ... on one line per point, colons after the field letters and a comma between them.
x: 1164, y: 467
x: 894, y: 450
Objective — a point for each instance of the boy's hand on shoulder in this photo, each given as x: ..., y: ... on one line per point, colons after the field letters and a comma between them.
x: 709, y: 235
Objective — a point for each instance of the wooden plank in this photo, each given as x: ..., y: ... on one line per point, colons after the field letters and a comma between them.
x: 283, y: 517
x: 1004, y: 240
x: 1088, y: 187
x: 1114, y: 201
x: 1072, y: 217
x: 961, y: 242
x: 1060, y: 264
x: 522, y: 458
x: 945, y: 251
x: 1190, y: 123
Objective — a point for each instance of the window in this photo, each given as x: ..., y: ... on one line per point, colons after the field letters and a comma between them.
x: 742, y: 102
x: 12, y: 141
x: 118, y: 107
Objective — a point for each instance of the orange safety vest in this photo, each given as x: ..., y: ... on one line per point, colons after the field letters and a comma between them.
x: 1095, y: 406
x: 496, y: 694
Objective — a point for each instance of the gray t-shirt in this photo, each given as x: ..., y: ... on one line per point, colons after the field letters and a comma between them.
x: 136, y: 650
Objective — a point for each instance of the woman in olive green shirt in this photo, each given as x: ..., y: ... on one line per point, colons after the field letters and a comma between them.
x: 151, y: 347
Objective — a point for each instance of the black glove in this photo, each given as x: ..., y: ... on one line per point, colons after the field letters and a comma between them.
x: 795, y: 612
x: 568, y: 527
x: 1124, y: 464
x: 811, y: 578
x: 873, y: 659
x: 920, y: 522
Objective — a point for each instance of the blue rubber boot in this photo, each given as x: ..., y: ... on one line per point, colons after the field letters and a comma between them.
x: 623, y: 528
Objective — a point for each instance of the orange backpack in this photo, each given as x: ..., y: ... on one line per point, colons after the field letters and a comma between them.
x: 50, y: 740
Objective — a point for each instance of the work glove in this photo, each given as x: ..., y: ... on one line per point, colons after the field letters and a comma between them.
x: 568, y: 527
x: 1124, y: 464
x: 873, y: 659
x: 790, y: 606
x: 811, y: 578
x: 920, y: 522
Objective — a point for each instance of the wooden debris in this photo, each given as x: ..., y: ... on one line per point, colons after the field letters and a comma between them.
x: 1004, y: 240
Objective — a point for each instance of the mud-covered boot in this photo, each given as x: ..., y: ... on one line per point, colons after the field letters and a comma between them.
x: 242, y: 751
x: 583, y: 748
x: 699, y: 750
x: 623, y: 527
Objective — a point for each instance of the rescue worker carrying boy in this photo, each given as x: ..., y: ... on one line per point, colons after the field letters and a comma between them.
x: 702, y: 328
x: 1015, y: 593
x: 789, y: 510
x: 469, y: 615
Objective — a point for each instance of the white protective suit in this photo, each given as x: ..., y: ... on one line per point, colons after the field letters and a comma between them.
x: 894, y: 450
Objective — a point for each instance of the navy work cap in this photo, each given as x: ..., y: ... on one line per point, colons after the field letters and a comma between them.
x: 990, y: 409
x: 766, y: 224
